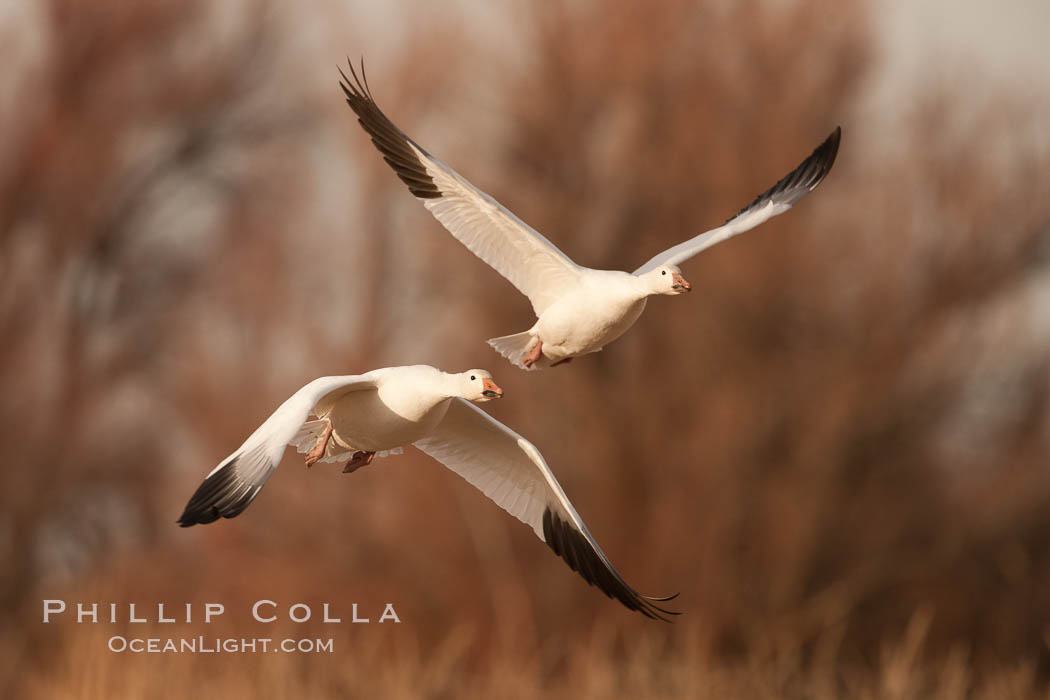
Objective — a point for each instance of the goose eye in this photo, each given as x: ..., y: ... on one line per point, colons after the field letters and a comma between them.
x: 663, y: 272
x: 472, y: 377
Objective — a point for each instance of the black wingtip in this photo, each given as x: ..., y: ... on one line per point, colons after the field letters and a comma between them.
x: 223, y: 494
x: 573, y: 546
x: 802, y: 180
x: 396, y: 147
x: 662, y: 599
x: 829, y: 150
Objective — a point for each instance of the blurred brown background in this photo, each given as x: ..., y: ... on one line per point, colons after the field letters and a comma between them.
x: 836, y: 448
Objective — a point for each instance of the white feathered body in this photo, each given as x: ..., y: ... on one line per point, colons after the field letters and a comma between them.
x: 404, y: 407
x: 601, y: 309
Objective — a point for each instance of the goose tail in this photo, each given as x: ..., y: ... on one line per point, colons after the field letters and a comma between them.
x: 515, y: 347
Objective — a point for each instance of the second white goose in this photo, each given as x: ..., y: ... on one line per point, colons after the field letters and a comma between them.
x: 363, y: 416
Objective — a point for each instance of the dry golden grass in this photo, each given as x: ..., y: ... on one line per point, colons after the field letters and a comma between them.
x: 391, y: 663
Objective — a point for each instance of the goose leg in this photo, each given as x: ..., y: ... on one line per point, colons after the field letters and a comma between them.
x: 360, y: 459
x: 318, y: 450
x: 534, y: 354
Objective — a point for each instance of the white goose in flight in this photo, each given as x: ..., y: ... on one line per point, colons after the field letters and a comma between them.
x: 379, y: 412
x: 579, y: 310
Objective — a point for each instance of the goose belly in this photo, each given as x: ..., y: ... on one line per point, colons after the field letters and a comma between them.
x: 364, y: 421
x: 586, y: 324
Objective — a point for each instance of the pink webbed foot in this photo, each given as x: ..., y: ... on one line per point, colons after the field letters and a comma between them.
x: 318, y: 450
x: 360, y: 459
x: 534, y: 354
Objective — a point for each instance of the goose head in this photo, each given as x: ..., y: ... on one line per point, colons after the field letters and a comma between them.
x: 476, y: 385
x: 666, y: 279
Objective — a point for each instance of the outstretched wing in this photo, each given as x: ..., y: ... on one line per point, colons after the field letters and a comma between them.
x: 510, y: 246
x: 232, y: 485
x: 510, y: 470
x: 776, y: 200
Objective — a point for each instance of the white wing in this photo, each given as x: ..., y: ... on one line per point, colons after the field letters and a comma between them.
x: 510, y: 470
x: 776, y: 200
x: 510, y: 246
x: 231, y: 486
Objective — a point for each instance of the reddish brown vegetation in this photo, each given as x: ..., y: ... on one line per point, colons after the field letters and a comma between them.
x: 835, y: 448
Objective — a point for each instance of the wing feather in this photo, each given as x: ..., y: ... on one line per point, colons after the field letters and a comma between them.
x: 510, y: 470
x: 792, y: 188
x: 235, y: 483
x: 488, y: 229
